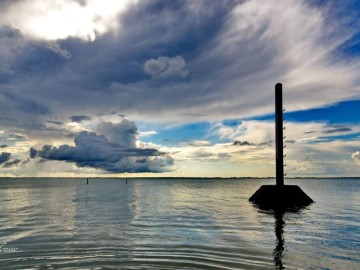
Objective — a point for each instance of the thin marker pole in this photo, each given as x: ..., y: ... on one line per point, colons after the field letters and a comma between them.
x: 279, y: 135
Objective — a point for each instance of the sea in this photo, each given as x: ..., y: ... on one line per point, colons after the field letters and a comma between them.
x: 65, y: 223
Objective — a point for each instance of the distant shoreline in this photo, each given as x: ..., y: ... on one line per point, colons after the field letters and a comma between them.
x: 191, y: 177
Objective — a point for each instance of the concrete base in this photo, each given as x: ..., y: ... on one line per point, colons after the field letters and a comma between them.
x: 280, y: 197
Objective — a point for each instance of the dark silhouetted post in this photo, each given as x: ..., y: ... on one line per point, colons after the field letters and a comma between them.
x: 279, y: 135
x: 280, y: 196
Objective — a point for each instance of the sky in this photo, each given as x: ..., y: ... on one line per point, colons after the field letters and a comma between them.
x: 178, y: 88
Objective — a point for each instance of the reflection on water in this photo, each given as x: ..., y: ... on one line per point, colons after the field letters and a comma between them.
x: 174, y: 224
x: 278, y: 252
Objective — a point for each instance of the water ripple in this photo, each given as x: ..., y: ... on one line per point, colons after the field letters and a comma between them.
x: 173, y: 224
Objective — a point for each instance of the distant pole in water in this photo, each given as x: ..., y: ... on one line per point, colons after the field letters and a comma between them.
x: 279, y: 135
x: 87, y: 181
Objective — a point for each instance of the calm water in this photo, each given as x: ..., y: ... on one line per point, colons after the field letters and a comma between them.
x: 174, y: 224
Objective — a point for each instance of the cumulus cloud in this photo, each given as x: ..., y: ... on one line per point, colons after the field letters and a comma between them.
x: 124, y: 133
x: 248, y: 132
x: 166, y: 66
x: 356, y: 156
x: 113, y: 151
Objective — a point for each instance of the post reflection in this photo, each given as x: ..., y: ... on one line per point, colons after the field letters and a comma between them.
x: 278, y: 252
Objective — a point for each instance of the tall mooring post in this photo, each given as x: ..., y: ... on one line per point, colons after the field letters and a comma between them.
x: 279, y: 135
x: 280, y: 196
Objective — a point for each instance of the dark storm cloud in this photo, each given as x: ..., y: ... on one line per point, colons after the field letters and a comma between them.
x: 170, y: 57
x: 113, y: 151
x: 24, y: 57
x: 109, y: 72
x: 27, y: 105
x: 80, y: 118
x: 4, y: 156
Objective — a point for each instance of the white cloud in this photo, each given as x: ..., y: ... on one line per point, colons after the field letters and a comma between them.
x: 165, y: 66
x: 356, y: 156
x: 147, y: 133
x: 259, y: 132
x: 60, y: 19
x: 254, y: 132
x: 312, y: 148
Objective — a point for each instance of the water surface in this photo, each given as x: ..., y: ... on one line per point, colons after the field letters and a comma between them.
x: 175, y: 224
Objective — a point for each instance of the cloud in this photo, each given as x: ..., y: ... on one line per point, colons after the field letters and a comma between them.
x: 253, y: 132
x: 4, y: 157
x: 247, y: 132
x: 240, y: 143
x: 356, y: 156
x: 31, y: 106
x: 306, y: 154
x: 166, y: 66
x: 338, y: 130
x: 80, y: 118
x: 221, y: 62
x: 33, y: 152
x: 12, y: 163
x: 113, y: 151
x: 55, y: 47
x: 58, y: 123
x: 124, y: 133
x: 147, y: 133
x: 63, y: 19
